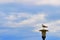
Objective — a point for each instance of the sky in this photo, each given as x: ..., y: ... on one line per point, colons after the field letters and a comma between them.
x: 22, y: 19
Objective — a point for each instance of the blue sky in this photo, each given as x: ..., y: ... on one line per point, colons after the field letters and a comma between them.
x: 21, y: 19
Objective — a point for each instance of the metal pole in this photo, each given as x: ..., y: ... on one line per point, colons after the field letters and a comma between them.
x: 43, y: 32
x: 43, y: 37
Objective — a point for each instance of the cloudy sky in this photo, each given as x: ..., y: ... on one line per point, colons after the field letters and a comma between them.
x: 22, y: 19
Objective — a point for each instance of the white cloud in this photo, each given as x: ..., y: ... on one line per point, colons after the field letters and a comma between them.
x: 34, y: 19
x: 31, y: 19
x: 33, y: 2
x: 40, y: 2
x: 16, y: 16
x: 53, y: 27
x: 6, y: 1
x: 11, y: 17
x: 22, y: 15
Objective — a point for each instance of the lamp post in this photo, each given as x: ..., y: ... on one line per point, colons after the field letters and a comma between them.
x: 43, y: 31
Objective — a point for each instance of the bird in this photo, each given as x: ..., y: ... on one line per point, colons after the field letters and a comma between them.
x: 44, y: 26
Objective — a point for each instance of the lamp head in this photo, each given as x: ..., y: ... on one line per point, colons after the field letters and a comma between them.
x: 44, y: 30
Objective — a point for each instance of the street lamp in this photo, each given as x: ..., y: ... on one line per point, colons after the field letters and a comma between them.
x: 43, y: 31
